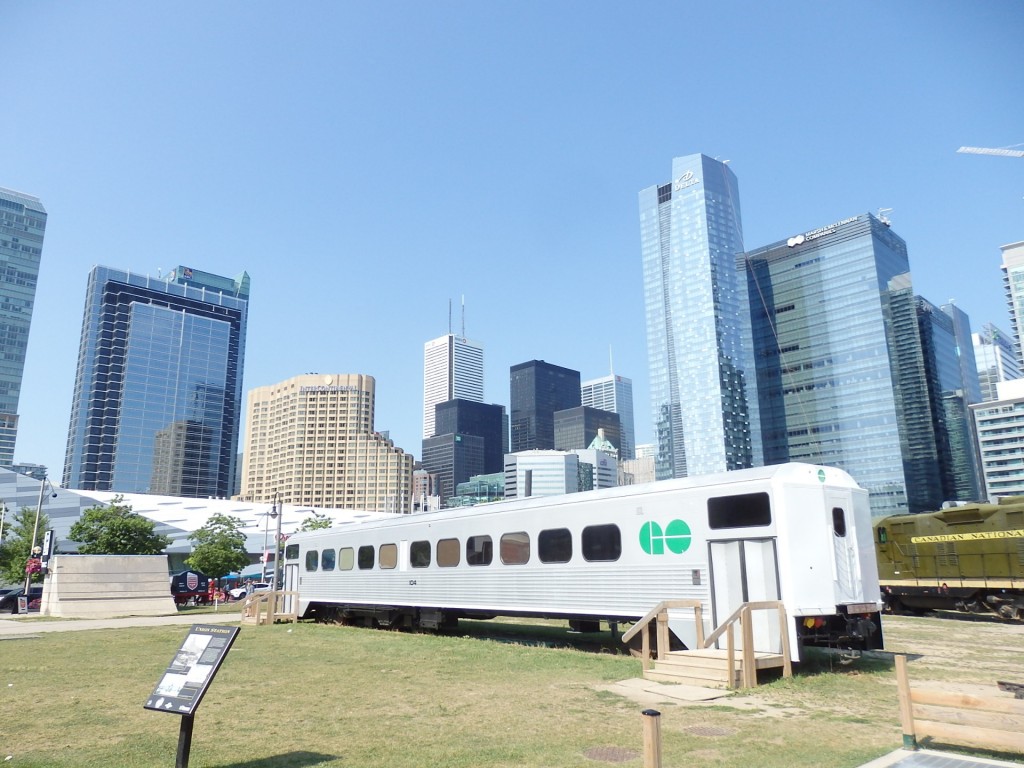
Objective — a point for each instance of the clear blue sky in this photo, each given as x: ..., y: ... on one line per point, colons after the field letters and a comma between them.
x: 365, y: 162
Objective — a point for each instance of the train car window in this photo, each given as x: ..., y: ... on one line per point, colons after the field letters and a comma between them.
x: 419, y: 554
x: 744, y: 510
x: 515, y: 548
x: 365, y: 558
x: 479, y: 550
x: 291, y: 552
x: 327, y: 560
x: 346, y: 558
x: 882, y: 535
x: 448, y: 553
x: 602, y: 543
x: 312, y: 556
x: 839, y: 521
x: 555, y: 545
x: 388, y: 556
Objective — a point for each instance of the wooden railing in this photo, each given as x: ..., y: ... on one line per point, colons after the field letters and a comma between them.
x: 266, y: 607
x: 989, y: 722
x: 743, y: 616
x: 660, y: 612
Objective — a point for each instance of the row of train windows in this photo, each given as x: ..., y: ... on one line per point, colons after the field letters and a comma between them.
x: 599, y: 543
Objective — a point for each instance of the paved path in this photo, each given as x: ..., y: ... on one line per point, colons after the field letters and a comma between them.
x: 927, y: 758
x: 22, y: 626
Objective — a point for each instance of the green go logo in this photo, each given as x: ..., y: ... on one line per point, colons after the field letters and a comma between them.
x: 676, y: 537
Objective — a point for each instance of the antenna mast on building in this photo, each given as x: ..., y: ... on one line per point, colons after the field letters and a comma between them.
x: 449, y: 317
x: 463, y: 315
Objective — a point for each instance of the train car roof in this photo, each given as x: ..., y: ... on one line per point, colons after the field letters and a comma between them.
x: 794, y: 473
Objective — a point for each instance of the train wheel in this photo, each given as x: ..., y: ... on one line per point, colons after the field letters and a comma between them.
x: 1011, y: 612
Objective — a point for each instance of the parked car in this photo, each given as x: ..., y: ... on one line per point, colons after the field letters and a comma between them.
x: 240, y: 592
x: 9, y: 602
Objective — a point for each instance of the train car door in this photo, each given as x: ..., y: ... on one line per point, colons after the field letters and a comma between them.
x: 845, y: 565
x: 291, y: 584
x: 744, y: 571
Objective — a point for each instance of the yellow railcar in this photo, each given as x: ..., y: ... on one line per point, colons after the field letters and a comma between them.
x: 964, y: 558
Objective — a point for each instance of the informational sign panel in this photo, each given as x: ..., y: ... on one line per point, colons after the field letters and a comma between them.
x: 193, y: 667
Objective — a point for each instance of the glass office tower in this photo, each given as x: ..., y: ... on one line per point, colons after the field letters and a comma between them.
x: 995, y: 358
x: 614, y: 393
x: 703, y: 389
x: 22, y: 225
x: 952, y: 388
x: 577, y: 428
x: 840, y: 368
x: 158, y: 390
x: 1013, y: 286
x: 453, y: 368
x: 536, y: 390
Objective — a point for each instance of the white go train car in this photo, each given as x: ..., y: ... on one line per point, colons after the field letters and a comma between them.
x: 795, y: 532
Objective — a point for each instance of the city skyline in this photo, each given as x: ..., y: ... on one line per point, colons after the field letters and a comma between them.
x: 366, y: 177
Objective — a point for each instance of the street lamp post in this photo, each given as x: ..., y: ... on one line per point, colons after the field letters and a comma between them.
x: 35, y: 533
x: 266, y: 536
x: 3, y: 516
x: 277, y: 539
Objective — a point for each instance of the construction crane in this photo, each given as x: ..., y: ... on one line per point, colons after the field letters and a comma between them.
x: 1003, y: 151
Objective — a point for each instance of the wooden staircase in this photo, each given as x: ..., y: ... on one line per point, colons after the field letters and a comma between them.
x: 706, y: 665
x: 263, y: 608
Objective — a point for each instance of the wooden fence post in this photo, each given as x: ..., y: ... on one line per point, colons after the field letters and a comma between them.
x: 652, y: 738
x: 906, y: 706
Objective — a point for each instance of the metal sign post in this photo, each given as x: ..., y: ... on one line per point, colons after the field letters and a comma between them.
x: 184, y: 683
x: 184, y: 741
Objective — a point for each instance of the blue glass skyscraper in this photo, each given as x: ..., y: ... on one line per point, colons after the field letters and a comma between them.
x: 158, y: 389
x: 841, y: 372
x: 703, y: 389
x: 22, y: 224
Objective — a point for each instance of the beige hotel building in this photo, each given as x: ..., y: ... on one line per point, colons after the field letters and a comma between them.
x: 310, y: 441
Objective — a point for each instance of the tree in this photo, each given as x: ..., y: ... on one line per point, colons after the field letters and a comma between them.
x: 315, y: 522
x: 115, y: 529
x: 17, y: 543
x: 220, y: 547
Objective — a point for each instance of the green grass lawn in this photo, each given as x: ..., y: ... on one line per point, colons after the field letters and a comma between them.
x: 494, y: 694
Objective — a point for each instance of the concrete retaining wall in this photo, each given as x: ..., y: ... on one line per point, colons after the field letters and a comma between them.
x: 104, y: 586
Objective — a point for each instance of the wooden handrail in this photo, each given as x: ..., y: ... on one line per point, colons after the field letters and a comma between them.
x: 660, y: 612
x: 664, y: 605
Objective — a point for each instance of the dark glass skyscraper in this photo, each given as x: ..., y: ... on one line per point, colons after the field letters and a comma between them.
x: 22, y: 225
x: 470, y: 439
x: 537, y: 390
x: 466, y: 417
x: 158, y: 390
x: 576, y: 428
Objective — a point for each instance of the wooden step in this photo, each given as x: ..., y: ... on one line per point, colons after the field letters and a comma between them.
x: 762, y: 659
x: 708, y: 668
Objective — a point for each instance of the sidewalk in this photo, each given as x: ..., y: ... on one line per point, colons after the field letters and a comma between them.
x: 927, y: 758
x: 27, y: 626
